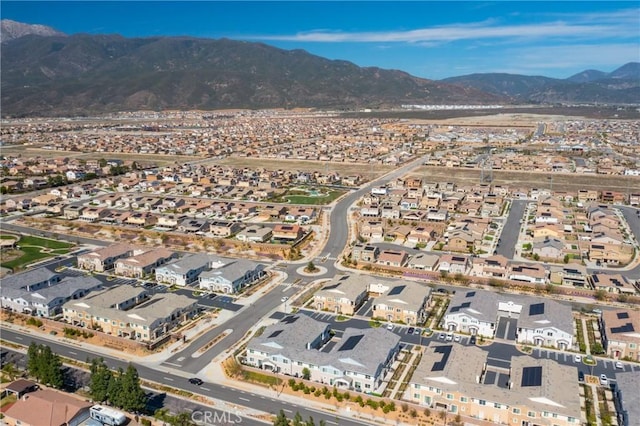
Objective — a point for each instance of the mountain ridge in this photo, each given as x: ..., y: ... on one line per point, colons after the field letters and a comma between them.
x: 79, y: 74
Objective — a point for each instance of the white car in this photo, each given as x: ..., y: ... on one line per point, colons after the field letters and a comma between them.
x: 619, y: 365
x: 449, y: 337
x: 389, y: 326
x: 456, y: 338
x: 284, y: 299
x: 577, y: 358
x: 604, y: 381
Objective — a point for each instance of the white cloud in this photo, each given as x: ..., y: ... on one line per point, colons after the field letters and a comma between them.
x: 622, y: 23
x: 571, y: 56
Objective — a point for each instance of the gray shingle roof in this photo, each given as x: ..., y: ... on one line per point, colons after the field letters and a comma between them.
x: 26, y: 278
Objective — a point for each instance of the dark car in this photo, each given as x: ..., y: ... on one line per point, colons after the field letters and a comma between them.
x: 472, y: 340
x: 195, y: 381
x: 411, y: 330
x: 580, y: 377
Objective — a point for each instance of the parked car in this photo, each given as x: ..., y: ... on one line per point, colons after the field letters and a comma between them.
x: 449, y: 337
x: 441, y: 336
x: 389, y: 326
x: 284, y: 299
x: 580, y: 377
x: 619, y: 365
x: 472, y: 340
x: 411, y: 330
x: 417, y: 331
x: 456, y: 338
x: 577, y: 358
x: 604, y: 381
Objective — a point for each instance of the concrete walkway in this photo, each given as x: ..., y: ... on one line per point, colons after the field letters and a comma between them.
x: 585, y: 336
x: 596, y: 404
x: 403, y: 376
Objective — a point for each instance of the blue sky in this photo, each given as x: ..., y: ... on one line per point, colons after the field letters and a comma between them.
x: 428, y: 39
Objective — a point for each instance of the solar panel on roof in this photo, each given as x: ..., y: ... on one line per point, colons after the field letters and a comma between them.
x: 531, y: 376
x: 290, y: 319
x: 536, y: 309
x: 454, y: 309
x: 490, y: 377
x: 351, y: 343
x: 623, y: 315
x: 445, y: 351
x: 274, y: 334
x: 465, y: 305
x: 471, y: 294
x: 627, y: 328
x: 397, y: 290
x: 595, y: 278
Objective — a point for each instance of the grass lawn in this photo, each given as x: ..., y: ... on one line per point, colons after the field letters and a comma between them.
x: 7, y: 237
x: 31, y: 250
x: 43, y: 242
x: 320, y: 200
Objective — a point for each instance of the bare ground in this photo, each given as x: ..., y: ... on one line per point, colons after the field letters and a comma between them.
x: 530, y: 179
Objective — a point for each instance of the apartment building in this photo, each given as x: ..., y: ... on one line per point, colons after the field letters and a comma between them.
x: 184, y: 271
x: 231, y: 275
x: 621, y: 333
x: 129, y: 312
x: 400, y: 301
x: 104, y: 259
x: 41, y: 292
x: 144, y: 264
x: 343, y: 294
x: 357, y: 361
x: 462, y: 380
x: 627, y: 398
x: 524, y: 319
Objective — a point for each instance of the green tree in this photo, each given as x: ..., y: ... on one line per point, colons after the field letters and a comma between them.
x: 297, y: 420
x: 600, y: 294
x: 10, y: 370
x: 281, y: 419
x: 54, y: 376
x: 32, y: 360
x: 134, y: 397
x: 114, y: 391
x: 44, y: 365
x: 306, y: 373
x: 182, y: 419
x: 101, y: 378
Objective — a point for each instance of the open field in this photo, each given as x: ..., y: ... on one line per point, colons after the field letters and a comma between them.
x: 529, y: 179
x: 343, y: 169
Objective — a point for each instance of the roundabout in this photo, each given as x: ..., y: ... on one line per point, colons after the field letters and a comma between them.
x: 319, y: 271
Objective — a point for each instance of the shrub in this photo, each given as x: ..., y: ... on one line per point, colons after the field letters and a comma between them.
x: 359, y: 400
x: 427, y: 412
x: 413, y: 413
x: 373, y: 404
x: 292, y: 383
x: 318, y: 392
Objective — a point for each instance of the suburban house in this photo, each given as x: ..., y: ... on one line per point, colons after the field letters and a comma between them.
x: 396, y: 258
x: 144, y: 264
x: 47, y: 407
x: 231, y: 275
x: 612, y: 283
x: 454, y: 264
x: 287, y: 233
x: 298, y: 345
x: 528, y: 272
x: 104, y: 259
x: 224, y: 229
x: 344, y: 294
x: 255, y: 234
x: 365, y: 253
x: 183, y: 271
x: 462, y: 380
x: 621, y: 333
x: 128, y: 311
x: 424, y: 262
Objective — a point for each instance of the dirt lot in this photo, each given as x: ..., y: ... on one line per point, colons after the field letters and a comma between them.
x: 343, y: 169
x: 529, y: 179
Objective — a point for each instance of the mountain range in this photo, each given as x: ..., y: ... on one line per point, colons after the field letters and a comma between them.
x: 45, y: 72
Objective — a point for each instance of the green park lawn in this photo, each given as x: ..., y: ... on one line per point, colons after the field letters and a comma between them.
x: 318, y: 200
x: 33, y: 249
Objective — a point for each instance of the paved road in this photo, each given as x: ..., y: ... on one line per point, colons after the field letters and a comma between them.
x: 76, y: 379
x: 267, y: 402
x: 511, y: 230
